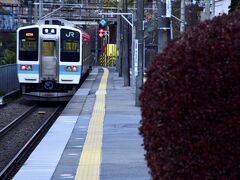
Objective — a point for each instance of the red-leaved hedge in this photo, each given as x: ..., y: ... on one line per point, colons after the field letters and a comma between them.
x: 191, y: 104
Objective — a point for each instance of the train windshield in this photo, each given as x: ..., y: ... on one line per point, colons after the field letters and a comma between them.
x: 28, y: 44
x: 48, y: 48
x: 70, y: 46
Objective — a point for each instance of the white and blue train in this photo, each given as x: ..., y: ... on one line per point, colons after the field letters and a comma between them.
x: 52, y: 58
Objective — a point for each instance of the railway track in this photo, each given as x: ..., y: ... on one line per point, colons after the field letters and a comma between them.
x: 11, y: 125
x: 24, y: 128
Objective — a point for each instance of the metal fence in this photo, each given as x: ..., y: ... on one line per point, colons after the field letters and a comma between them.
x: 8, y: 78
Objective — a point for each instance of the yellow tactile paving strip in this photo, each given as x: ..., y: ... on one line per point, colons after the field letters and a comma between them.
x: 90, y: 160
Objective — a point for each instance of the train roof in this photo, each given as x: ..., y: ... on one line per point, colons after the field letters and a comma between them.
x: 56, y: 21
x: 61, y: 22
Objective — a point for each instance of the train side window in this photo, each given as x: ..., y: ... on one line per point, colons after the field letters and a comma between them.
x: 48, y: 48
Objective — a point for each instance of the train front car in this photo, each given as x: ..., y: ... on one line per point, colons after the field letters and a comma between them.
x: 49, y: 59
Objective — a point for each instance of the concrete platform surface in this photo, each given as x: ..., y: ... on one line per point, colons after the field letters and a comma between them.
x: 122, y: 153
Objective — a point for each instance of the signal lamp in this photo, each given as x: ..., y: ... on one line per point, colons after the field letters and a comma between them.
x: 101, y: 30
x: 100, y: 34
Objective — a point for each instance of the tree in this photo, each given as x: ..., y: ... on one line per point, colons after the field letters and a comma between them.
x: 190, y: 104
x: 9, y: 57
x: 7, y: 48
x: 110, y: 3
x: 235, y: 4
x: 114, y: 3
x: 192, y: 16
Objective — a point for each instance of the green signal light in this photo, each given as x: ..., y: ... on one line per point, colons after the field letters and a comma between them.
x: 102, y: 22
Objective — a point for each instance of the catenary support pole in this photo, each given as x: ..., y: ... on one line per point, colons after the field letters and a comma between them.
x: 30, y: 12
x: 163, y: 26
x: 126, y: 73
x: 182, y: 16
x: 139, y: 36
x: 213, y: 8
x: 121, y: 44
x: 118, y: 65
x: 40, y: 8
x: 207, y: 9
x: 96, y: 47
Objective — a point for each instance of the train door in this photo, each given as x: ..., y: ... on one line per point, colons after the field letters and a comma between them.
x: 49, y: 63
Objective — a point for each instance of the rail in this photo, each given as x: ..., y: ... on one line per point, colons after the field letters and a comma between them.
x: 18, y: 159
x: 16, y: 121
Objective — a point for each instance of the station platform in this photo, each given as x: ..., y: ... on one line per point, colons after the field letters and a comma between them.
x: 96, y: 136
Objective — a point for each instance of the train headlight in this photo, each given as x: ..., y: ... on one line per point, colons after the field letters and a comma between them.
x: 53, y: 31
x: 49, y: 31
x: 46, y: 30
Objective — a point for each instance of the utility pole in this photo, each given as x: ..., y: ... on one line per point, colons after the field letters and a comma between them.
x: 182, y: 16
x: 96, y: 46
x: 126, y: 69
x: 119, y: 42
x: 121, y: 47
x: 40, y: 9
x: 207, y: 9
x: 30, y: 12
x: 18, y: 21
x: 139, y: 36
x: 154, y: 3
x: 35, y: 13
x: 163, y: 25
x: 213, y: 8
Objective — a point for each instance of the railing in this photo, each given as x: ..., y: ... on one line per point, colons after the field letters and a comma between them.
x: 8, y: 78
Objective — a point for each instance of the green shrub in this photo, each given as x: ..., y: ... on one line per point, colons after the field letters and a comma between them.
x: 235, y: 4
x: 191, y: 104
x: 9, y: 57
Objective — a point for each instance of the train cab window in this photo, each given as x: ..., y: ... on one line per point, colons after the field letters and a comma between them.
x: 28, y: 44
x: 48, y: 48
x: 70, y: 51
x: 70, y: 46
